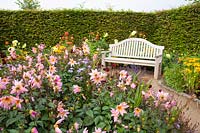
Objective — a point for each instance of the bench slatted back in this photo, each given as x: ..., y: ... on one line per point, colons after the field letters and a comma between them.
x: 136, y: 48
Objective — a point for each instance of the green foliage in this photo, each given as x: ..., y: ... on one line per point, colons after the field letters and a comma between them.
x: 47, y: 26
x: 191, y: 74
x: 47, y: 97
x: 173, y: 77
x: 28, y: 4
x: 175, y: 29
x: 178, y: 29
x: 182, y: 73
x: 97, y: 43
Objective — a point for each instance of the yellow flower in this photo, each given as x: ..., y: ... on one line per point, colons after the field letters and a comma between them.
x: 54, y: 48
x: 105, y: 35
x: 168, y: 56
x: 14, y: 43
x: 192, y: 59
x: 197, y: 69
x: 133, y: 33
x: 115, y: 41
x: 187, y: 70
x: 196, y: 64
x: 24, y: 46
x: 187, y: 64
x: 58, y: 48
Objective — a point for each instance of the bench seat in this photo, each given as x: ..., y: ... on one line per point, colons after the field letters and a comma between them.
x: 136, y: 51
x: 141, y: 62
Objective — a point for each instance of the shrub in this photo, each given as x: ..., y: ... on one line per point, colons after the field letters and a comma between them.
x: 175, y: 29
x: 182, y: 73
x: 191, y: 74
x: 174, y: 78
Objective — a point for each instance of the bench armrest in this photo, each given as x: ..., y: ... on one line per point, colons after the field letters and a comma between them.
x: 104, y: 52
x: 158, y: 58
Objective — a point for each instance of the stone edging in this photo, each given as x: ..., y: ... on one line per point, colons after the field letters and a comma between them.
x: 160, y: 82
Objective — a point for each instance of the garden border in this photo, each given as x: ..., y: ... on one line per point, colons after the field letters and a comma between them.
x: 179, y: 93
x: 189, y: 104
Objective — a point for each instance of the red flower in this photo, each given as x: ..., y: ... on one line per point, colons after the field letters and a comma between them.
x: 66, y: 33
x: 6, y: 42
x: 114, y: 65
x: 69, y: 43
x: 106, y: 69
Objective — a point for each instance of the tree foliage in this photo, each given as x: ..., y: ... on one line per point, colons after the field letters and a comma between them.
x: 28, y: 4
x: 194, y: 1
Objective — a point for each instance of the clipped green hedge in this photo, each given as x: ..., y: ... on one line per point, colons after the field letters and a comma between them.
x: 176, y: 29
x: 179, y: 29
x: 47, y: 26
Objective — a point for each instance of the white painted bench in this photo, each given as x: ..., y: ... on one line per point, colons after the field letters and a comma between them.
x: 135, y: 51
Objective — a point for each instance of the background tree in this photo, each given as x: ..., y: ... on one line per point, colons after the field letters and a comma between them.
x: 193, y: 1
x: 28, y: 4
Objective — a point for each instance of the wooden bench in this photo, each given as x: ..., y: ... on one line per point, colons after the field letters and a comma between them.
x: 135, y: 51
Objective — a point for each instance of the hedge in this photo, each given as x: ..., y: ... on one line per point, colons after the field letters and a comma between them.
x: 177, y: 29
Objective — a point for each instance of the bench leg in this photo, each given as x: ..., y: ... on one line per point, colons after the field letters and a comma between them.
x: 103, y: 64
x: 160, y: 69
x: 156, y: 71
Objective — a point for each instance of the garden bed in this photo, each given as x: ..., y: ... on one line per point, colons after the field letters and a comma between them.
x: 63, y: 89
x: 190, y: 105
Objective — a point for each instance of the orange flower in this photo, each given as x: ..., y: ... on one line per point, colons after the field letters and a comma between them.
x: 137, y: 112
x: 7, y: 102
x: 6, y: 42
x: 72, y: 62
x: 121, y: 108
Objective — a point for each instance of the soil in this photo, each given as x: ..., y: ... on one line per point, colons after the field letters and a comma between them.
x: 190, y: 105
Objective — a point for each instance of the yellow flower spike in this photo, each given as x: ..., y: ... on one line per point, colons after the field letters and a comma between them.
x: 138, y: 128
x: 24, y: 46
x: 14, y: 43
